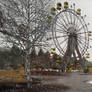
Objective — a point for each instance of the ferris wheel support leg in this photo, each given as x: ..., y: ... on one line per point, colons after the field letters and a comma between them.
x: 80, y: 57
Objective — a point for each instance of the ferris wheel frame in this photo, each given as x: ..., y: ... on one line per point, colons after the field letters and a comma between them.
x: 83, y: 26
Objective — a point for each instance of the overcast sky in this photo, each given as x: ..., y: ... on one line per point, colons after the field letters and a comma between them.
x: 86, y: 7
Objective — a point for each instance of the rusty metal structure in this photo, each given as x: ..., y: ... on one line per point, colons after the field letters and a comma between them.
x: 70, y: 32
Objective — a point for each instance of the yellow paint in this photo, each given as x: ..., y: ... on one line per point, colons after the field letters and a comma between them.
x: 65, y: 5
x: 78, y: 11
x: 48, y: 17
x: 59, y: 6
x: 87, y: 53
x: 57, y: 61
x: 90, y: 69
x: 57, y: 64
x: 89, y: 34
x: 70, y: 69
x: 53, y: 13
x: 53, y: 9
x: 53, y: 52
x: 66, y: 70
x: 53, y: 49
x: 87, y: 56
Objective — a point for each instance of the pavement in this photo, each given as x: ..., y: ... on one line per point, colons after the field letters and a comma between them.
x: 72, y: 82
x: 66, y: 82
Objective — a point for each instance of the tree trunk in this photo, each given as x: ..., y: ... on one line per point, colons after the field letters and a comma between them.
x: 28, y: 72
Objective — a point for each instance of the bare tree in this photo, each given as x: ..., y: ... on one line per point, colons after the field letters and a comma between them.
x: 24, y: 24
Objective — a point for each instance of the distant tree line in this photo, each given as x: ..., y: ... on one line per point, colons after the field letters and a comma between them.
x: 9, y: 59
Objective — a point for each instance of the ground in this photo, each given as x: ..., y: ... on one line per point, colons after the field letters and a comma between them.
x: 71, y: 82
x: 66, y: 82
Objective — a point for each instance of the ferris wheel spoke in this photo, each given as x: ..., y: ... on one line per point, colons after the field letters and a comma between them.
x: 65, y: 46
x: 50, y: 38
x: 62, y: 50
x: 81, y: 37
x: 61, y: 36
x: 81, y: 27
x: 61, y: 31
x: 70, y: 18
x: 67, y: 17
x: 81, y: 42
x: 63, y: 41
x: 81, y: 47
x: 59, y: 46
x: 74, y: 21
x: 82, y: 33
x: 78, y: 23
x: 61, y: 26
x: 60, y: 22
x: 62, y: 17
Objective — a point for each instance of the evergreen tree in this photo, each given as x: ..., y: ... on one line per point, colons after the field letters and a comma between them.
x: 15, y: 50
x: 41, y: 52
x: 47, y: 54
x: 33, y: 53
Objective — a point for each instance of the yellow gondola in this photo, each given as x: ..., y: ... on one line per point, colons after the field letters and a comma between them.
x: 48, y: 18
x: 58, y: 57
x: 87, y: 53
x: 57, y: 61
x: 57, y: 64
x: 53, y: 11
x: 70, y: 70
x: 59, y: 6
x: 66, y: 70
x: 78, y: 63
x: 53, y: 49
x: 65, y: 5
x: 87, y: 56
x: 53, y: 52
x: 89, y: 33
x: 89, y: 69
x: 72, y: 65
x: 78, y: 11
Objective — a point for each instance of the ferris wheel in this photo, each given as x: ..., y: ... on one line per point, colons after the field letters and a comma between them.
x: 69, y: 31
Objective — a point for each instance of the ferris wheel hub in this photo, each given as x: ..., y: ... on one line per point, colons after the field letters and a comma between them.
x: 71, y: 30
